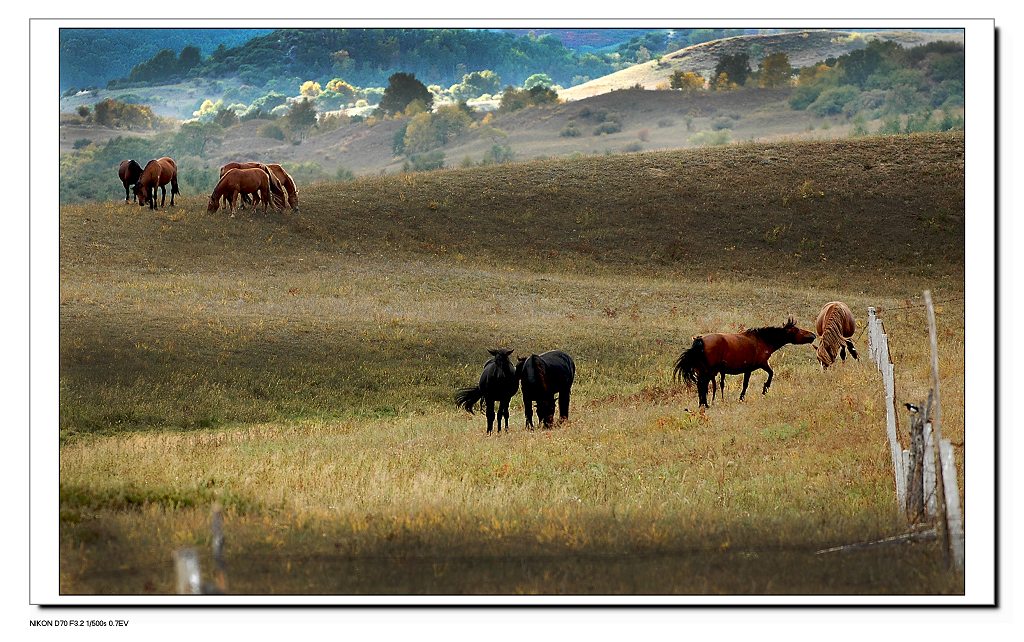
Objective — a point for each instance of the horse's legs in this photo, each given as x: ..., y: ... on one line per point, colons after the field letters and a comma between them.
x: 746, y: 380
x: 528, y: 410
x: 563, y: 404
x: 490, y: 416
x: 721, y: 385
x: 853, y: 350
x: 126, y: 192
x: 767, y: 369
x: 503, y: 412
x: 174, y: 189
x: 842, y: 352
x: 702, y: 390
x: 163, y: 195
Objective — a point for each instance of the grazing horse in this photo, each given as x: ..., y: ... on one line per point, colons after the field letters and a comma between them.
x: 497, y: 383
x: 835, y: 325
x: 158, y: 173
x: 276, y: 189
x: 129, y: 172
x: 543, y: 376
x: 288, y: 184
x: 735, y: 353
x: 240, y: 181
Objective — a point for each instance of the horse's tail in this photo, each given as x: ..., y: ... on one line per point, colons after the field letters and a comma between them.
x: 688, y: 362
x: 467, y: 398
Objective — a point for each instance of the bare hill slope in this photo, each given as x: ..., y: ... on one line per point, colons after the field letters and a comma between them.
x: 803, y: 48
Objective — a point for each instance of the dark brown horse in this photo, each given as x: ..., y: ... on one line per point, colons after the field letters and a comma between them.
x: 735, y: 353
x: 129, y: 172
x: 288, y: 184
x: 236, y: 182
x: 543, y: 377
x: 276, y: 189
x: 835, y: 325
x: 157, y: 174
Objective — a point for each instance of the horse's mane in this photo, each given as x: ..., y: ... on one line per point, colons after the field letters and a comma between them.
x: 540, y: 368
x: 133, y: 163
x: 775, y: 335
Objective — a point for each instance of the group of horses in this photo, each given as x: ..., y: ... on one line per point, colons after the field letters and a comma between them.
x: 549, y: 375
x: 256, y: 182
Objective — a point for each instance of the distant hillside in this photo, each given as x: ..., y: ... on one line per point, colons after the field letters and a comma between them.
x: 93, y: 57
x: 803, y: 48
x: 366, y: 57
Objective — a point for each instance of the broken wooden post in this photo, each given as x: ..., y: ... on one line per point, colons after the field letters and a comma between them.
x: 954, y: 521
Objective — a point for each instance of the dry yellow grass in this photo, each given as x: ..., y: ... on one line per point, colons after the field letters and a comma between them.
x: 303, y: 377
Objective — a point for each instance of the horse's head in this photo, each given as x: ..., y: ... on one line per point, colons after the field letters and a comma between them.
x: 797, y: 335
x: 141, y: 194
x: 214, y: 204
x: 501, y: 356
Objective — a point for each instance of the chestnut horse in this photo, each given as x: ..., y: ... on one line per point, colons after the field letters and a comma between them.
x: 735, y: 353
x: 276, y: 189
x: 835, y: 325
x: 497, y: 383
x: 158, y: 173
x: 543, y: 376
x: 288, y: 184
x: 129, y: 172
x: 240, y: 181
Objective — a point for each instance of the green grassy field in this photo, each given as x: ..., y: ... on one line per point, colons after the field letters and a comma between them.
x: 300, y: 369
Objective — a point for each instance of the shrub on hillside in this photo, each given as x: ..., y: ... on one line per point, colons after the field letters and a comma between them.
x: 721, y: 123
x: 570, y: 130
x: 424, y: 162
x: 271, y: 130
x: 709, y: 138
x: 832, y: 100
x: 114, y: 113
x: 608, y: 127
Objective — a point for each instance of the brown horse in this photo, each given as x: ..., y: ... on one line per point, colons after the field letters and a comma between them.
x: 158, y: 173
x: 129, y: 172
x: 240, y: 181
x: 288, y: 184
x: 735, y: 353
x: 276, y: 189
x: 835, y: 325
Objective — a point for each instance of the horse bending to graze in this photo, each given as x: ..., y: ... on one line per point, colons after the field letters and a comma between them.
x: 240, y: 181
x: 835, y: 325
x: 276, y: 189
x: 129, y: 172
x: 542, y: 377
x: 157, y: 173
x: 735, y: 353
x: 497, y: 383
x: 288, y: 184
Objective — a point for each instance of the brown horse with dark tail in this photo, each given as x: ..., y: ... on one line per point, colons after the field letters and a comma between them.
x: 735, y: 353
x: 157, y: 174
x: 276, y: 188
x: 835, y: 325
x: 237, y: 182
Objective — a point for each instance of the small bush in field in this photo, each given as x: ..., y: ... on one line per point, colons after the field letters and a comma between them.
x: 272, y: 130
x: 608, y: 127
x: 570, y: 130
x: 721, y: 123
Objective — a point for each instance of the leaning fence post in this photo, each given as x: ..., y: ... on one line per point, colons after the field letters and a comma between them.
x: 928, y: 474
x: 954, y: 521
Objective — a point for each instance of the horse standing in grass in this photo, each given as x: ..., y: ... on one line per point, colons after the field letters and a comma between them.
x: 497, y: 383
x: 129, y: 172
x: 240, y: 181
x: 543, y: 376
x: 157, y: 174
x: 835, y: 325
x: 735, y: 353
x: 276, y: 189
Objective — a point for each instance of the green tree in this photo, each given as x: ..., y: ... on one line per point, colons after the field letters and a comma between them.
x: 538, y: 79
x: 477, y: 84
x: 402, y: 89
x: 686, y: 80
x: 775, y: 70
x: 195, y: 138
x: 301, y: 117
x: 735, y: 66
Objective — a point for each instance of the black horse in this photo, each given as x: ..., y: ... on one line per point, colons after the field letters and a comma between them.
x: 544, y: 376
x: 499, y: 382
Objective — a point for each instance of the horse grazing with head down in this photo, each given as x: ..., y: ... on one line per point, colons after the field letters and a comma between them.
x: 129, y: 172
x: 497, y: 383
x: 287, y: 183
x: 735, y: 353
x: 835, y: 325
x: 240, y: 181
x: 542, y: 377
x: 157, y: 174
x: 276, y: 189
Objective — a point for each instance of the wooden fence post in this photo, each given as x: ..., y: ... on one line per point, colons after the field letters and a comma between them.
x: 954, y: 521
x: 928, y: 476
x: 220, y: 573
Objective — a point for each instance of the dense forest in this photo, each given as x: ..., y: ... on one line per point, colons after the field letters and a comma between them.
x: 93, y: 57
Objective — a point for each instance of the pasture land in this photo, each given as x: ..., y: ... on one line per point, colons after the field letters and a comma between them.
x: 300, y: 368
